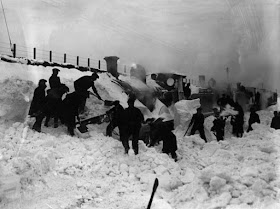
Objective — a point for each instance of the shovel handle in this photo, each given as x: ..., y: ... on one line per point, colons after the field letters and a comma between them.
x: 153, y: 193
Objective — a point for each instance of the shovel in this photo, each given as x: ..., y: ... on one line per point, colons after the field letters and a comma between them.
x: 82, y: 128
x: 153, y: 193
x: 106, y: 102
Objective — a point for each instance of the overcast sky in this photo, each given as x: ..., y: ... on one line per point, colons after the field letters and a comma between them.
x: 196, y: 37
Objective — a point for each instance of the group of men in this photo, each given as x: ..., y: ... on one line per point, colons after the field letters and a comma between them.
x: 131, y: 120
x: 128, y: 120
x: 218, y: 128
x: 51, y: 104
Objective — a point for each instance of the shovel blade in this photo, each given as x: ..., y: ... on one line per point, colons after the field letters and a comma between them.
x: 108, y: 103
x: 82, y: 128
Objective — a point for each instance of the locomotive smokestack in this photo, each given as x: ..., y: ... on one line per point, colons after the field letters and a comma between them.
x: 112, y: 65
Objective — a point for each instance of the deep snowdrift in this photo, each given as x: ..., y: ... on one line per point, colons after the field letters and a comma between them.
x: 54, y: 170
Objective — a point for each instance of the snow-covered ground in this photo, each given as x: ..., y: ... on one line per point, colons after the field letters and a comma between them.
x: 52, y: 170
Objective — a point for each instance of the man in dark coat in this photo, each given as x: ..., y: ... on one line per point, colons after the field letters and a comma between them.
x: 39, y: 98
x: 187, y: 91
x: 198, y: 124
x: 257, y: 98
x: 237, y: 121
x: 218, y: 127
x: 115, y: 115
x: 222, y: 101
x: 275, y: 123
x: 54, y: 103
x: 51, y: 107
x: 133, y: 119
x: 254, y: 118
x: 169, y: 141
x: 82, y: 85
x: 70, y: 110
x: 54, y: 80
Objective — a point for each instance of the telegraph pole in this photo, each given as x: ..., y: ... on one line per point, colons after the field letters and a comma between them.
x: 228, y: 87
x: 227, y: 71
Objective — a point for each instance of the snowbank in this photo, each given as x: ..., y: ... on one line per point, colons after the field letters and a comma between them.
x: 54, y: 170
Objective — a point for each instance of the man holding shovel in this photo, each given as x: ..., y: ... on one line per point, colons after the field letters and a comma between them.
x: 198, y: 124
x: 82, y: 85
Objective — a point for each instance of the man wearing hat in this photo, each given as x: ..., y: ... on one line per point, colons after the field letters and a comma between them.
x: 133, y: 118
x: 39, y: 97
x: 82, y: 85
x: 54, y: 80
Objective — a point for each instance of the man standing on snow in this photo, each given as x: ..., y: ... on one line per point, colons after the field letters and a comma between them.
x: 254, y: 118
x: 218, y: 127
x: 83, y: 84
x: 70, y: 110
x: 275, y: 123
x: 54, y: 80
x: 169, y: 141
x: 187, y: 91
x: 133, y: 120
x: 39, y: 98
x: 198, y: 124
x: 115, y: 115
x: 237, y: 121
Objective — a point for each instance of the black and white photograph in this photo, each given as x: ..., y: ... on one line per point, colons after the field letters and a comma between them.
x: 140, y: 104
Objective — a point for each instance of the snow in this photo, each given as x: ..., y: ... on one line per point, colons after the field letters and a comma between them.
x: 53, y: 170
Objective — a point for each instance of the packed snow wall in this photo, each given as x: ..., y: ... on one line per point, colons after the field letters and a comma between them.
x: 15, y: 98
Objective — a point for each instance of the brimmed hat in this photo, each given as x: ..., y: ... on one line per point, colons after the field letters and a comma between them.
x: 95, y: 75
x: 42, y: 81
x: 55, y: 70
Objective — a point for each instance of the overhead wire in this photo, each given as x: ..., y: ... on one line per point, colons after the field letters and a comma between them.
x: 11, y: 46
x: 145, y: 37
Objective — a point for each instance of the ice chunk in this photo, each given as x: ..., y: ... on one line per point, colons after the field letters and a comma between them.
x: 249, y: 171
x: 216, y: 183
x: 220, y: 201
x: 188, y: 176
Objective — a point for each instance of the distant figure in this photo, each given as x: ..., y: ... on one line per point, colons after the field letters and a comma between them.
x: 82, y: 85
x: 54, y: 80
x: 257, y: 99
x: 218, y: 127
x: 275, y: 123
x: 187, y: 91
x: 115, y: 115
x: 229, y: 100
x: 133, y: 118
x: 254, y: 118
x: 222, y: 101
x: 39, y: 98
x: 198, y: 124
x: 237, y: 121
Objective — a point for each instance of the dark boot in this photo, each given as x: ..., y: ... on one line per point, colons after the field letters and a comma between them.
x: 47, y: 121
x: 38, y: 122
x: 71, y: 131
x: 36, y: 128
x: 174, y: 156
x: 55, y: 122
x: 109, y: 130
